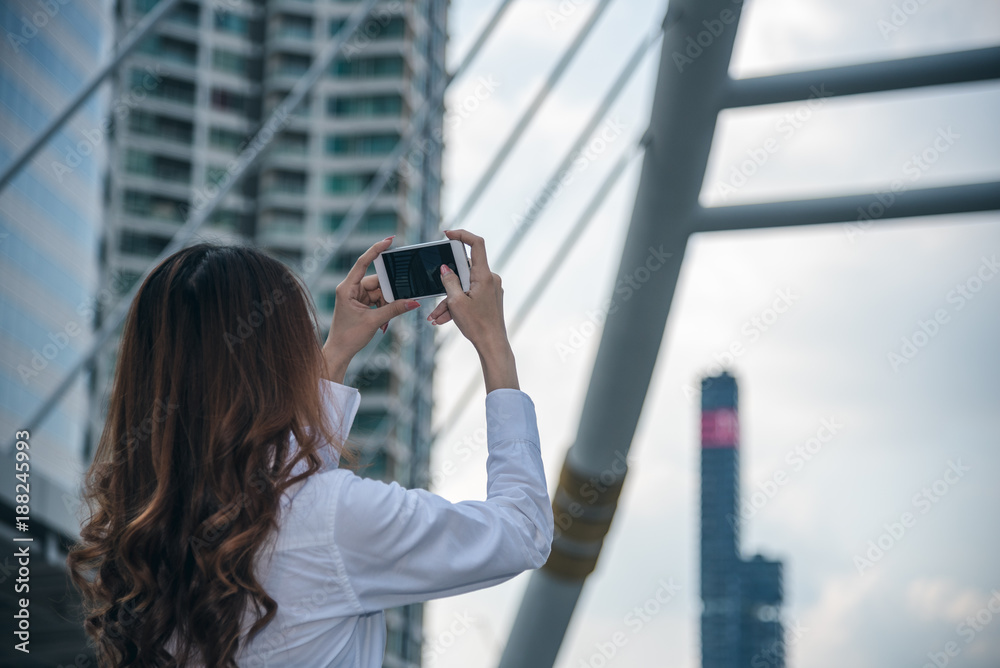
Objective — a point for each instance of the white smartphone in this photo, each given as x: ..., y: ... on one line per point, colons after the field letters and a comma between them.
x: 414, y: 272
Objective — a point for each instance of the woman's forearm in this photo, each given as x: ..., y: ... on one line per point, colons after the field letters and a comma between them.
x: 336, y: 365
x: 499, y: 367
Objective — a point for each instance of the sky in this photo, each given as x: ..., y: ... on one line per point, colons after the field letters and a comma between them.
x: 914, y: 440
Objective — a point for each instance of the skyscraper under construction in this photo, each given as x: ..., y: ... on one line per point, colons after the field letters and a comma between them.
x: 740, y: 620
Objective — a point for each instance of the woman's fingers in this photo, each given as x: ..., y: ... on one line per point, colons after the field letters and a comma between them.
x: 442, y: 319
x: 440, y: 309
x: 357, y: 273
x: 440, y: 314
x: 480, y: 269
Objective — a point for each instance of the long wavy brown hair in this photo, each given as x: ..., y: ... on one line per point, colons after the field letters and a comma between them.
x: 219, y: 364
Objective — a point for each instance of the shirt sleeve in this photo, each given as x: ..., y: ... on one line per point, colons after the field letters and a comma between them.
x: 400, y: 546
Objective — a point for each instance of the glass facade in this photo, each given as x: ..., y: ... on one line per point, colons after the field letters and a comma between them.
x: 50, y: 226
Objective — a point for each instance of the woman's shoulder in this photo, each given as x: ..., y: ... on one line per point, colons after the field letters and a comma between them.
x: 307, y: 509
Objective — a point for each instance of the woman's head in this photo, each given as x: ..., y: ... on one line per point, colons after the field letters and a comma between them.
x: 219, y: 364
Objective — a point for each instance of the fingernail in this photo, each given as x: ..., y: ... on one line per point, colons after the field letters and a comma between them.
x: 384, y: 327
x: 412, y: 304
x: 445, y: 269
x: 388, y: 238
x: 433, y: 322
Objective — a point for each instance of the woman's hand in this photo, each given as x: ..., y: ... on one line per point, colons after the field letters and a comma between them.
x: 354, y: 318
x: 478, y: 313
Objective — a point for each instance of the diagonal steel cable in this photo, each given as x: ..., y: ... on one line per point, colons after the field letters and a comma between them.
x: 558, y: 174
x: 510, y: 141
x: 551, y: 187
x: 313, y: 267
x: 125, y: 47
x: 274, y: 124
x: 245, y: 160
x: 544, y: 280
x: 547, y: 193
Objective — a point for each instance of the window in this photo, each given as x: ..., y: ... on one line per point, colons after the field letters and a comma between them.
x: 287, y: 182
x: 296, y: 27
x: 346, y: 184
x: 227, y: 140
x: 393, y: 28
x: 283, y: 220
x: 375, y: 222
x: 169, y: 48
x: 232, y: 23
x: 186, y: 12
x: 230, y: 61
x: 292, y: 142
x: 145, y: 204
x: 214, y: 174
x: 367, y: 105
x: 301, y: 110
x: 227, y: 100
x: 157, y: 166
x: 367, y: 421
x: 137, y: 243
x: 377, y: 466
x: 162, y: 127
x: 372, y: 144
x: 382, y: 66
x: 168, y: 88
x: 372, y: 379
x: 228, y: 219
x: 292, y: 64
x: 353, y: 183
x: 124, y: 280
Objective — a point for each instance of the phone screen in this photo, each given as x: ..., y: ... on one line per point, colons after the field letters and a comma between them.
x: 416, y: 272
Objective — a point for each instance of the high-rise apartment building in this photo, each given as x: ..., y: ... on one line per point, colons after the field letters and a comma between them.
x: 740, y: 620
x: 198, y: 90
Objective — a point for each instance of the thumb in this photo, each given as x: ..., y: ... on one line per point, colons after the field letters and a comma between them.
x: 383, y: 314
x: 452, y: 285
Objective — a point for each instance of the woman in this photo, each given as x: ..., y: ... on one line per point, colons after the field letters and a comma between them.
x: 223, y: 532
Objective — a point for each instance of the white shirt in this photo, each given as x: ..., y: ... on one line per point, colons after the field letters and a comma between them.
x: 349, y: 547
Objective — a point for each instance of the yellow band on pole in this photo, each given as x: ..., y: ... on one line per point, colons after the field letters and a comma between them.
x: 583, y: 507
